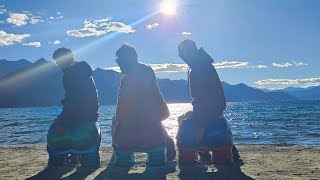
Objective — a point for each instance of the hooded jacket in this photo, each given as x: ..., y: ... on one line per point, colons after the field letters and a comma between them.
x: 205, y: 86
x: 81, y: 99
x: 140, y: 110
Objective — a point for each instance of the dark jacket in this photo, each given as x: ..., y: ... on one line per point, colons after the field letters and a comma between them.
x: 205, y: 87
x: 140, y: 110
x: 81, y: 99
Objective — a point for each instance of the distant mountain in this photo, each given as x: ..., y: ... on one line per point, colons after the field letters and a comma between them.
x: 107, y: 83
x: 311, y: 93
x: 24, y: 84
x: 33, y: 84
x: 174, y: 90
x: 7, y: 67
x: 242, y: 92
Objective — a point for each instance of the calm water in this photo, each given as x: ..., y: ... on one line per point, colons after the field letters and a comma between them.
x: 294, y: 123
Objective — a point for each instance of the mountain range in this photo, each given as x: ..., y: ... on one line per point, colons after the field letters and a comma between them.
x: 26, y: 84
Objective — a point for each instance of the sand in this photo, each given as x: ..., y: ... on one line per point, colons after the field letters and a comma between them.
x: 261, y: 162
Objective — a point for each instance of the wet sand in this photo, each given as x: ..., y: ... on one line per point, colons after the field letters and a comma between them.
x: 261, y: 162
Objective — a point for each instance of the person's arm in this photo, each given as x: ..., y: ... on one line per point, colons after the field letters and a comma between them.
x: 207, y: 88
x: 153, y: 99
x: 67, y: 106
x: 219, y: 97
x: 200, y: 92
x: 75, y: 82
x: 197, y: 83
x: 163, y: 110
x: 120, y: 100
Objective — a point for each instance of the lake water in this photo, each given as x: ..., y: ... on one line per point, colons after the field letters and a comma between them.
x: 283, y: 123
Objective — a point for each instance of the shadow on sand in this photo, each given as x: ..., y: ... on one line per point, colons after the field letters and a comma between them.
x: 118, y: 173
x: 201, y: 172
x: 58, y: 173
x: 142, y: 172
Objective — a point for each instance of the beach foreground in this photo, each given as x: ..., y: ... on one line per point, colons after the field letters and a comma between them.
x: 261, y: 162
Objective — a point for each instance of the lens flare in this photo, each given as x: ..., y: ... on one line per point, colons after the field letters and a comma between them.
x: 168, y: 7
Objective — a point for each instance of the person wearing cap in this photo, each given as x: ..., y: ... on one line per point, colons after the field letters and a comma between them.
x: 140, y: 111
x: 205, y: 87
x: 79, y: 114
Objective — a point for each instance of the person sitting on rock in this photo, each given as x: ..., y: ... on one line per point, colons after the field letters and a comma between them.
x: 205, y: 87
x: 75, y: 130
x: 140, y: 112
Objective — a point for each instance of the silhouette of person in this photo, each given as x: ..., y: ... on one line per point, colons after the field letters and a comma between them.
x: 140, y: 107
x: 79, y: 114
x: 81, y: 99
x: 205, y: 87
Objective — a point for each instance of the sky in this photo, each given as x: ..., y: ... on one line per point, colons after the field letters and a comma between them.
x: 265, y: 44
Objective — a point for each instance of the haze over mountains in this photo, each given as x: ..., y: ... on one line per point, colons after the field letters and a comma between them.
x: 26, y: 84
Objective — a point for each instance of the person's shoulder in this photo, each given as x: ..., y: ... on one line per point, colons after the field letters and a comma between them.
x: 81, y: 67
x: 82, y: 64
x: 146, y: 68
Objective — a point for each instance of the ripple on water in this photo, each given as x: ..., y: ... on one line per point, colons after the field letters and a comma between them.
x: 252, y: 123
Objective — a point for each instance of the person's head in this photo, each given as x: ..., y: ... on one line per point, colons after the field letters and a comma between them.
x: 127, y: 58
x: 63, y: 57
x: 188, y: 51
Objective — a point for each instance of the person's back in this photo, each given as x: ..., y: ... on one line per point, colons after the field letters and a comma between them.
x: 81, y: 100
x: 140, y: 110
x: 208, y: 102
x: 75, y: 131
x: 205, y: 87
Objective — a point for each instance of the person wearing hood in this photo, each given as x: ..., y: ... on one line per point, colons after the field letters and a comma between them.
x: 79, y: 114
x: 81, y: 99
x: 141, y: 109
x: 205, y: 87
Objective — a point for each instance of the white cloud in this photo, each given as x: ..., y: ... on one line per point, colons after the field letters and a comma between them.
x: 288, y: 64
x: 21, y: 19
x: 231, y: 64
x: 56, y: 42
x: 2, y: 10
x: 18, y: 19
x: 102, y: 20
x: 35, y: 44
x: 299, y: 63
x: 283, y: 83
x: 186, y: 34
x: 117, y: 69
x: 35, y: 19
x: 168, y: 67
x: 151, y: 26
x: 59, y: 17
x: 261, y: 66
x: 10, y: 39
x: 85, y: 32
x: 282, y: 64
x: 100, y: 27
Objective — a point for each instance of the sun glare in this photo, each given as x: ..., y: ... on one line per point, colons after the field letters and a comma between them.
x: 168, y: 7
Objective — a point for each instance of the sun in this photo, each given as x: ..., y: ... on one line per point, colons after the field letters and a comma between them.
x: 168, y: 7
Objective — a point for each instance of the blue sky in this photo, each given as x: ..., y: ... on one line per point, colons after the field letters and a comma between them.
x: 267, y: 43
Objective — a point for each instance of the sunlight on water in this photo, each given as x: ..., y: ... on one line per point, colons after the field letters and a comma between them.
x: 176, y: 110
x: 294, y: 123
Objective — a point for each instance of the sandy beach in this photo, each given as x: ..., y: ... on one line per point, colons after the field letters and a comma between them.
x: 261, y: 162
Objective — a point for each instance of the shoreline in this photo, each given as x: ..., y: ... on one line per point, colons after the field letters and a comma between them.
x: 261, y: 162
x: 103, y: 145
